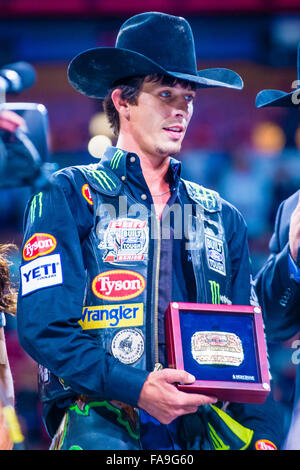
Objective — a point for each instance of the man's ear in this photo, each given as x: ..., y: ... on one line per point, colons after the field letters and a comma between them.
x: 120, y: 103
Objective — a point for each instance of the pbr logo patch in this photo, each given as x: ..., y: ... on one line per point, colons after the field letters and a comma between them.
x: 125, y: 241
x: 118, y: 285
x: 39, y: 244
x: 85, y: 190
x: 128, y: 345
x: 215, y: 254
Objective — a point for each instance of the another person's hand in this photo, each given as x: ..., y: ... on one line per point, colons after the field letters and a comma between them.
x: 294, y: 234
x: 162, y: 400
x: 10, y: 121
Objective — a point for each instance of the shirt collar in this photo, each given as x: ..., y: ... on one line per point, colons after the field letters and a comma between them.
x: 117, y: 160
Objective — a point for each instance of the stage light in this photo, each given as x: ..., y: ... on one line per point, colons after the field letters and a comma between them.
x: 98, y: 144
x: 268, y: 138
x: 99, y: 125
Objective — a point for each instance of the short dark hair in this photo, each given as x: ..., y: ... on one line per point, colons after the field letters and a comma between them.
x: 131, y: 88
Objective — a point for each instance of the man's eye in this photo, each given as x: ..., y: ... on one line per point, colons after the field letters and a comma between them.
x: 189, y: 97
x: 165, y: 94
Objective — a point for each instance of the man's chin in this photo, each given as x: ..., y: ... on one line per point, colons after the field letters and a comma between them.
x: 167, y: 150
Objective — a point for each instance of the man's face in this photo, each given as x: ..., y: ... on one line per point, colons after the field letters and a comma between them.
x: 159, y: 121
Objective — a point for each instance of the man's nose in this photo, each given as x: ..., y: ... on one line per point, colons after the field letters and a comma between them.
x: 181, y: 107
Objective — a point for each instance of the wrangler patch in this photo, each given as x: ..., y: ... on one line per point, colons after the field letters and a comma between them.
x: 112, y: 316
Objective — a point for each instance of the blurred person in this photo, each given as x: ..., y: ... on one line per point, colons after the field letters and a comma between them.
x: 98, y: 271
x: 278, y: 281
x: 8, y: 302
x: 10, y: 122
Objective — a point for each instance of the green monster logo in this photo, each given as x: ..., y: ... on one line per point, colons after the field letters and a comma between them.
x: 116, y: 159
x: 215, y: 292
x: 36, y: 206
x: 103, y: 179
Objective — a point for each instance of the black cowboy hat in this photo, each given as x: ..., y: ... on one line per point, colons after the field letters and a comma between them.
x: 267, y: 98
x: 148, y: 43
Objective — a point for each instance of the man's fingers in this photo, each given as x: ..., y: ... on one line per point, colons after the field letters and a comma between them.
x: 177, y: 376
x: 10, y: 120
x: 196, y: 399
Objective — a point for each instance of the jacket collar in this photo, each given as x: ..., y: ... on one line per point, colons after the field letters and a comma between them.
x: 116, y: 160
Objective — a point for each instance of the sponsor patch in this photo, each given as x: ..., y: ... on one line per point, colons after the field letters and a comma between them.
x: 112, y: 316
x: 215, y: 254
x: 264, y: 444
x: 85, y: 190
x: 125, y: 240
x: 118, y: 285
x: 39, y: 244
x: 45, y: 271
x: 128, y: 345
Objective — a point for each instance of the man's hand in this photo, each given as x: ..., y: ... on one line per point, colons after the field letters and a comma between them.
x: 294, y: 234
x: 10, y: 121
x: 162, y: 400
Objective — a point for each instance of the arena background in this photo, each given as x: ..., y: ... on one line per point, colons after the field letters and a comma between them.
x: 250, y: 156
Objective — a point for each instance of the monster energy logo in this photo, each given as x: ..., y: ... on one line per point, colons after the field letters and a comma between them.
x: 216, y: 440
x: 215, y: 292
x: 36, y: 206
x: 103, y: 179
x: 206, y: 196
x: 116, y: 159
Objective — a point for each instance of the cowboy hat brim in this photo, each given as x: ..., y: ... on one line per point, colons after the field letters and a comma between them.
x: 95, y: 71
x: 274, y: 98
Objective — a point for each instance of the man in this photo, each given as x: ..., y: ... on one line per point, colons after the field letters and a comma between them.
x: 103, y: 258
x: 278, y: 281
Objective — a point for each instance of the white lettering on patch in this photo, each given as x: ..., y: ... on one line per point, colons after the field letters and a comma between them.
x: 44, y: 271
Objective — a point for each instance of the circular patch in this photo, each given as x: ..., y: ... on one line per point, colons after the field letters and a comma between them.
x: 128, y: 345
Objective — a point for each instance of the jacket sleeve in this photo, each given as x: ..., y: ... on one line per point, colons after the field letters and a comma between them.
x: 278, y: 293
x: 52, y: 286
x: 265, y: 420
x: 237, y: 240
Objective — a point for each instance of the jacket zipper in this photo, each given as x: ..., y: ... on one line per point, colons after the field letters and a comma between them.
x: 156, y: 357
